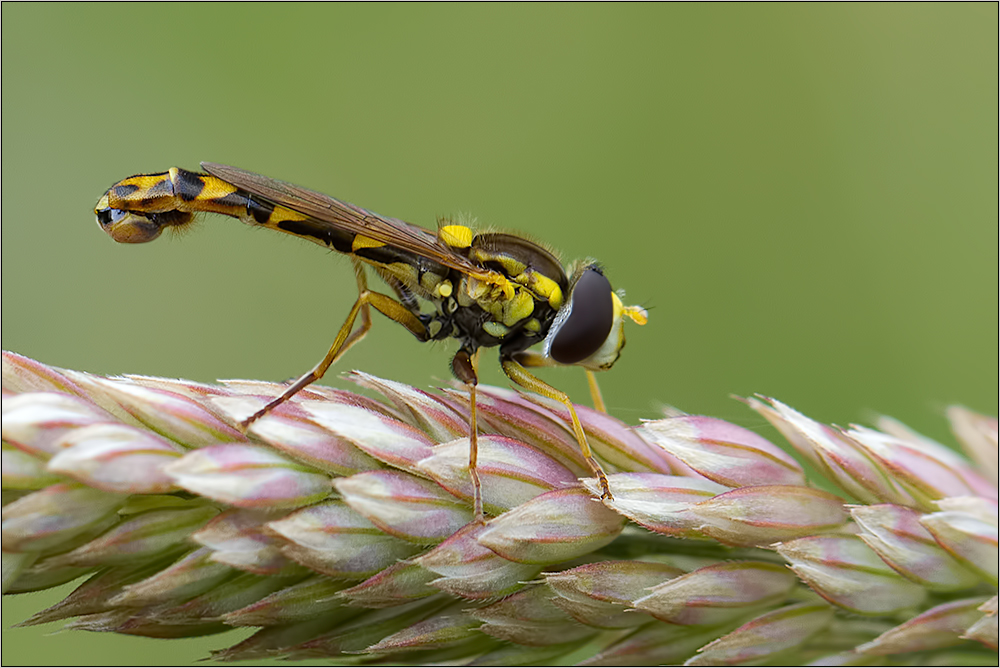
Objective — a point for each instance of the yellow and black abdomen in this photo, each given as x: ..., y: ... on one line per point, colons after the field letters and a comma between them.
x: 139, y: 208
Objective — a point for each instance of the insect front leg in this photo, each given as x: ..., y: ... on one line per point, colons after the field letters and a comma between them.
x: 534, y: 359
x: 595, y: 392
x: 520, y: 375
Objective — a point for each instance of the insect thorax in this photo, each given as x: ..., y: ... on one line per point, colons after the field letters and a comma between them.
x: 513, y: 312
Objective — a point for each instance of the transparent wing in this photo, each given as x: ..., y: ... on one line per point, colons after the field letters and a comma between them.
x: 346, y: 216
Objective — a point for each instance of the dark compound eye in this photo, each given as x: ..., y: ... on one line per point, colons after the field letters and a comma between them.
x: 591, y: 315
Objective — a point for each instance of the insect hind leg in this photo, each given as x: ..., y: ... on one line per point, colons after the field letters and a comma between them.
x: 347, y: 338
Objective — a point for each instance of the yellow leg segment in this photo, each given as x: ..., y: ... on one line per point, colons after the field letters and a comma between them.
x: 595, y: 392
x: 477, y: 487
x: 466, y: 368
x: 346, y: 338
x: 520, y: 375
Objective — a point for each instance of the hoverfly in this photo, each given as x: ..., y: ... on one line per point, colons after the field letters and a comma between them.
x: 485, y: 289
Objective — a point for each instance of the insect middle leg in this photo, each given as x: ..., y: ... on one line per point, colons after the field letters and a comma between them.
x: 346, y: 338
x: 532, y: 358
x: 466, y: 368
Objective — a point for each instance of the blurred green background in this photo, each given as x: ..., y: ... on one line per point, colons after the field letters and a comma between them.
x: 805, y: 196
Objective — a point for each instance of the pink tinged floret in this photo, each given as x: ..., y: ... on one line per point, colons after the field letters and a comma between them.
x: 403, y: 582
x: 659, y: 502
x: 22, y: 375
x: 136, y: 624
x: 345, y: 397
x: 896, y: 535
x: 446, y: 629
x: 17, y: 565
x: 293, y: 433
x: 985, y: 629
x: 192, y: 575
x: 654, y: 644
x: 978, y: 435
x: 941, y: 626
x: 510, y: 472
x: 601, y: 594
x: 366, y: 629
x: 845, y: 571
x: 612, y: 440
x: 765, y: 514
x: 249, y: 476
x: 23, y: 471
x: 140, y: 536
x: 463, y: 567
x: 553, y: 527
x: 333, y: 539
x: 94, y: 594
x: 402, y: 505
x: 231, y: 595
x: 719, y: 593
x: 35, y: 575
x: 116, y: 458
x: 37, y: 421
x: 622, y: 446
x: 967, y: 529
x: 318, y: 595
x: 381, y: 437
x: 52, y: 516
x: 509, y: 654
x: 723, y: 452
x: 928, y: 470
x: 425, y: 410
x: 765, y: 636
x: 977, y: 477
x: 843, y: 460
x: 509, y: 414
x: 263, y: 391
x: 170, y: 414
x: 201, y: 392
x: 530, y: 618
x: 238, y: 538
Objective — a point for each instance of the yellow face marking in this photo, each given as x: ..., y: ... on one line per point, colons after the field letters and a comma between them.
x: 361, y: 241
x: 456, y: 236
